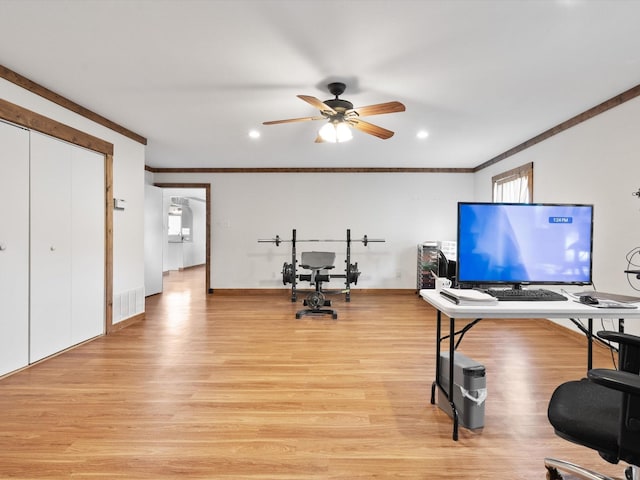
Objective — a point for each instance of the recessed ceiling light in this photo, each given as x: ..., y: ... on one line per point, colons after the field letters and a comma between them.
x: 422, y: 134
x: 254, y: 134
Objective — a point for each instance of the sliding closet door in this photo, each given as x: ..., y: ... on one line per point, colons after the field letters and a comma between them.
x: 50, y: 326
x: 67, y: 246
x: 14, y: 248
x: 87, y: 245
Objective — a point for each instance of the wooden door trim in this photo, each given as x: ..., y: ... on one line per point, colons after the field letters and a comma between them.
x: 34, y: 121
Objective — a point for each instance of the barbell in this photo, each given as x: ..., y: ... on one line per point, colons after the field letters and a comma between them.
x: 277, y: 240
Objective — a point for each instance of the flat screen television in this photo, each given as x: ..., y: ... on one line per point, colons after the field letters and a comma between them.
x: 518, y: 244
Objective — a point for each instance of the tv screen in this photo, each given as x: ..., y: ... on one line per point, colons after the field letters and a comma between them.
x: 517, y: 243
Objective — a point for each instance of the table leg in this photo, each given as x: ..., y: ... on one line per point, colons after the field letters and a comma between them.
x: 437, y: 383
x: 590, y: 344
x: 438, y: 340
x: 454, y: 410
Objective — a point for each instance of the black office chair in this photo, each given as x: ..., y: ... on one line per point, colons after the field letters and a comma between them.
x: 601, y: 412
x: 319, y: 263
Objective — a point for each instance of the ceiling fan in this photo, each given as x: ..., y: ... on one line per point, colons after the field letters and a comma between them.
x: 341, y: 115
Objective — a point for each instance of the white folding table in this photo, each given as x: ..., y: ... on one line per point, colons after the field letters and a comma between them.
x: 509, y: 309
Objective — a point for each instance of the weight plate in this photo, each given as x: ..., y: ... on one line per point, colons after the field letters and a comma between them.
x: 315, y: 300
x: 287, y: 273
x: 353, y: 273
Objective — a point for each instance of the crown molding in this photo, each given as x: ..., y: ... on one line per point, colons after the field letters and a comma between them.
x: 44, y: 92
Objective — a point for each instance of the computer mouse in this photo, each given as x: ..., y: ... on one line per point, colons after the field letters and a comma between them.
x: 589, y: 300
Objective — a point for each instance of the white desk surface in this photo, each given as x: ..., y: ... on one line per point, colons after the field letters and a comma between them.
x: 536, y: 309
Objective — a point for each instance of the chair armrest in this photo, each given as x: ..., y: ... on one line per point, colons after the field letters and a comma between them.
x: 619, y: 337
x: 622, y: 381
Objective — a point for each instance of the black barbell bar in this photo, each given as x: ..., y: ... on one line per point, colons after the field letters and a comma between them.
x: 365, y: 240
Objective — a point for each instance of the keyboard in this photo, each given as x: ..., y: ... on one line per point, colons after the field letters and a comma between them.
x: 526, y: 295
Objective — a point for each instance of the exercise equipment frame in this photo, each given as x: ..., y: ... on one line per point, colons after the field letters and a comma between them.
x: 289, y: 270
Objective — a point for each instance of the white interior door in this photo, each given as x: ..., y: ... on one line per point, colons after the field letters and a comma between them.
x: 50, y: 319
x: 14, y: 248
x: 154, y: 238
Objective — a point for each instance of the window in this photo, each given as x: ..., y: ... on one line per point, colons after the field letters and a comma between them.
x: 180, y: 220
x: 175, y: 221
x: 515, y: 185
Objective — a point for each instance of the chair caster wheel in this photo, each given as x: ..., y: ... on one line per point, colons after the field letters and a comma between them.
x: 553, y: 474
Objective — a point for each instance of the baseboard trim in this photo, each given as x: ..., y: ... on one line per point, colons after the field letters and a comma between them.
x: 126, y: 323
x: 182, y: 269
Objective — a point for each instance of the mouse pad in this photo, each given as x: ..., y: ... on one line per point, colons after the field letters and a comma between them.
x: 609, y: 296
x: 610, y: 304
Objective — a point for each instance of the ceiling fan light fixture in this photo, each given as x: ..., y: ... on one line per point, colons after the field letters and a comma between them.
x: 343, y: 132
x: 335, y: 132
x: 342, y: 116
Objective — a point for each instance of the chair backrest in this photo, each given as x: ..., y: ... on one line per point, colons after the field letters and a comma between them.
x: 628, y: 361
x: 628, y: 349
x: 630, y: 430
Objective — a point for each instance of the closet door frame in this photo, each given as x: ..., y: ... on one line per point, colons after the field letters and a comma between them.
x: 34, y: 121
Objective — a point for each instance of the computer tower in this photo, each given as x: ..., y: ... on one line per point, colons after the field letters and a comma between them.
x: 469, y: 389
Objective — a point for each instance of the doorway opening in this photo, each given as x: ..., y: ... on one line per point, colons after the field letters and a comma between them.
x: 186, y: 235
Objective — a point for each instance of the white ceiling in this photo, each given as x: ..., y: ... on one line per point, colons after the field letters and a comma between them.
x: 194, y: 77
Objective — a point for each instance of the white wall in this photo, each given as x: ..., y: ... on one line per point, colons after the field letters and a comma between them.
x: 404, y: 209
x: 128, y: 183
x: 594, y: 162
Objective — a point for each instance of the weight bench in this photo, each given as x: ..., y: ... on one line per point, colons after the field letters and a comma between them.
x: 319, y: 263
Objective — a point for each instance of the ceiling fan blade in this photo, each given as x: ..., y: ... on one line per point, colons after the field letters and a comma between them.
x: 291, y: 120
x: 323, y: 107
x: 370, y: 128
x: 380, y: 108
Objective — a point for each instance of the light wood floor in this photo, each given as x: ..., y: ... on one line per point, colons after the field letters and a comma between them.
x: 234, y: 387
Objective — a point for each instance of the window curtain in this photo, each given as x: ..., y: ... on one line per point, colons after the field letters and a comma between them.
x: 514, y: 186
